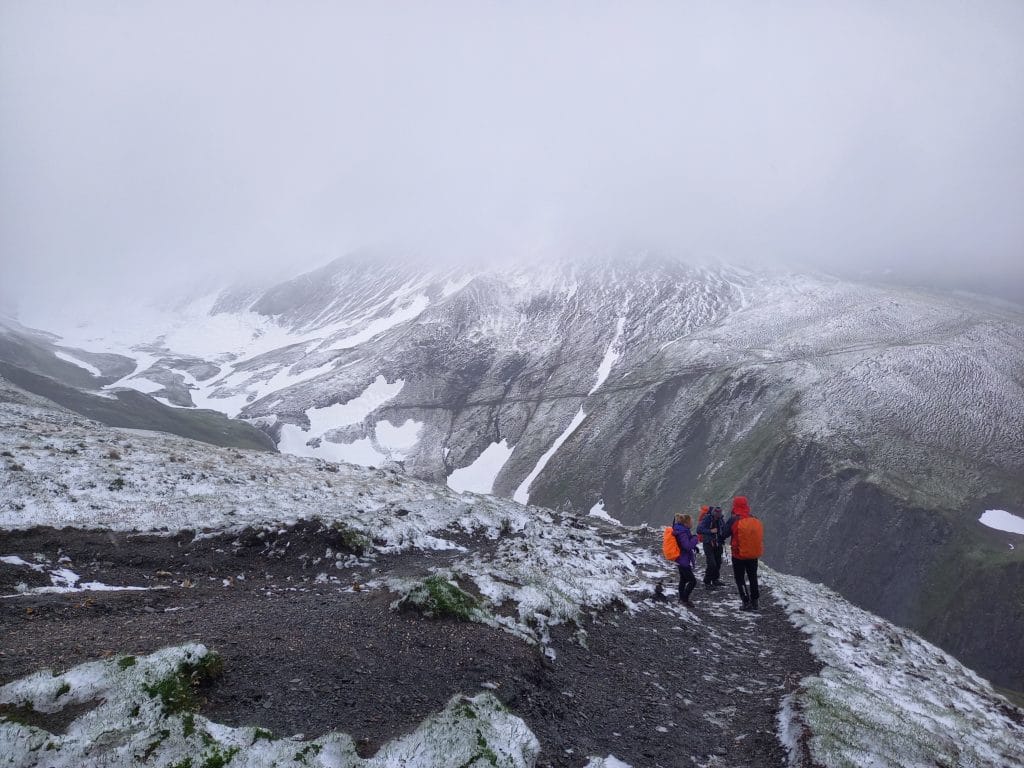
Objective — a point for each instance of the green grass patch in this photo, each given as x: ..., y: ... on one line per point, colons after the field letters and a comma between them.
x: 126, y: 661
x: 484, y: 754
x: 65, y: 687
x: 437, y: 598
x: 177, y: 692
x: 310, y: 750
x: 22, y: 714
x: 218, y: 758
x: 348, y: 539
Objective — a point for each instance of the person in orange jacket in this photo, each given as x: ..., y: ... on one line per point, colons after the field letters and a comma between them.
x: 747, y: 545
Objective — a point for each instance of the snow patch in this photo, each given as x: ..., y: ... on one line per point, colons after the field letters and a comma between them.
x: 398, y: 440
x: 522, y: 494
x: 606, y: 762
x: 353, y: 411
x: 15, y: 560
x: 1002, y: 520
x: 479, y: 476
x: 598, y: 511
x: 141, y: 384
x: 296, y: 441
x: 611, y: 355
x: 129, y: 726
x: 80, y: 363
x: 376, y: 327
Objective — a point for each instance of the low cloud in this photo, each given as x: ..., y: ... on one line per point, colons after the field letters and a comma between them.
x: 146, y: 143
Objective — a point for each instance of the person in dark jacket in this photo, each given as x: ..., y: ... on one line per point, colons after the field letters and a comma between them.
x: 711, y: 529
x: 687, y: 556
x: 747, y: 545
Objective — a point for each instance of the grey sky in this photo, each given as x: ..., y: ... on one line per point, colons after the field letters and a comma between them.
x: 143, y: 140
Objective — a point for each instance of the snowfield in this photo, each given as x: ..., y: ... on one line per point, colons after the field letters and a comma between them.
x: 884, y: 698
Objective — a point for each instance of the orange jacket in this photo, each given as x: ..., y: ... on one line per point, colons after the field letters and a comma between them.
x: 745, y: 530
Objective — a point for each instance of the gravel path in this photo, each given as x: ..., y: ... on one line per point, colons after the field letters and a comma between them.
x: 662, y: 687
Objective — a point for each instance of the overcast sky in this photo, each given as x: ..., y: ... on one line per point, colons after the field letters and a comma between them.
x: 143, y: 141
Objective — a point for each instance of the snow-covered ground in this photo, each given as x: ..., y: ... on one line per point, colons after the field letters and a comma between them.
x: 130, y: 724
x: 885, y: 697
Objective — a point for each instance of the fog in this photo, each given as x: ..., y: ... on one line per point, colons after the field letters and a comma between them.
x: 145, y: 144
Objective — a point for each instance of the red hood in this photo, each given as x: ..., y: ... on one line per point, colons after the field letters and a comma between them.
x: 740, y: 507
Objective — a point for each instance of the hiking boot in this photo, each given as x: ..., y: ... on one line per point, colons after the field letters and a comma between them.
x: 746, y: 606
x: 753, y: 606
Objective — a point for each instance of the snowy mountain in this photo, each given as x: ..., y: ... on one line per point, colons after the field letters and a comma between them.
x: 870, y: 425
x: 167, y: 602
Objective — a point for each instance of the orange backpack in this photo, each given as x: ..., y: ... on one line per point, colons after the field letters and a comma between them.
x: 669, y: 545
x: 748, y: 538
x: 703, y: 511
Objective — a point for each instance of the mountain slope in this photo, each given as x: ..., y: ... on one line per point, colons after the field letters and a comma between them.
x: 870, y: 425
x: 568, y: 655
x: 36, y: 363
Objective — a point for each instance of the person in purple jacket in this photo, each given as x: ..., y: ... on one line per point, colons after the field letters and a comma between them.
x: 687, y: 556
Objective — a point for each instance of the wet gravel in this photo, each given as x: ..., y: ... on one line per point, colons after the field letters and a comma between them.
x: 661, y: 687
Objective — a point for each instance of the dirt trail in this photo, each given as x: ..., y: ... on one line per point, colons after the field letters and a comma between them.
x: 662, y: 687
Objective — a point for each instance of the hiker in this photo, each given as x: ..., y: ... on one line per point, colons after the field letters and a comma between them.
x: 710, y: 531
x: 747, y: 546
x: 687, y: 556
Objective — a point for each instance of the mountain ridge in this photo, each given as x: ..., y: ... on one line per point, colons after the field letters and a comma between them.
x: 811, y: 393
x: 286, y: 566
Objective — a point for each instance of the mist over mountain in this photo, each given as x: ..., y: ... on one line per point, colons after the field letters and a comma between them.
x: 363, y: 349
x: 145, y: 145
x: 871, y: 425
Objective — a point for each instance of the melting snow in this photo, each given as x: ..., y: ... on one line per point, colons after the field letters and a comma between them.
x: 295, y: 440
x: 1002, y: 520
x: 610, y: 356
x: 606, y: 762
x: 598, y: 511
x: 398, y: 440
x: 80, y: 363
x: 129, y: 726
x: 522, y: 494
x: 64, y: 580
x: 355, y: 410
x: 15, y: 560
x: 376, y: 327
x: 479, y: 476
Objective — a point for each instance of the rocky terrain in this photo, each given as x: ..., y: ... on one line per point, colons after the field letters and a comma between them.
x: 310, y: 658
x: 871, y: 425
x: 171, y: 603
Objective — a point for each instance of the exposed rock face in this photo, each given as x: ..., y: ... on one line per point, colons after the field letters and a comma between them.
x: 869, y: 425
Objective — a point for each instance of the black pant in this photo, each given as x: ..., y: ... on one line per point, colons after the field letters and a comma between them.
x: 747, y: 569
x: 687, y: 581
x: 713, y: 555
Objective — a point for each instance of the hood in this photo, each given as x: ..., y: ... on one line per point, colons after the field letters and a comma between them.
x: 740, y: 507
